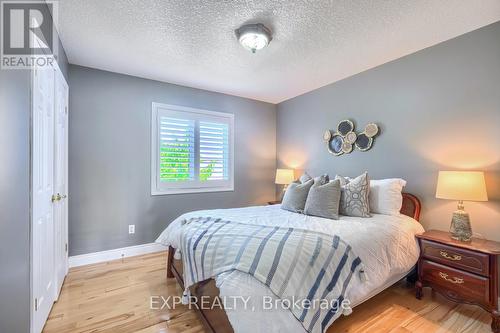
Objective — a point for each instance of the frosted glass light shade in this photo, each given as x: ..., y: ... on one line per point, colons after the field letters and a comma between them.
x: 254, y: 37
x: 461, y: 185
x: 284, y: 176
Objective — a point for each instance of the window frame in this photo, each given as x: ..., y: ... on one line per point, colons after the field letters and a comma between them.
x: 159, y: 188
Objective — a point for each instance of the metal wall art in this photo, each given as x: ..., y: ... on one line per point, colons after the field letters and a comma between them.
x: 345, y: 138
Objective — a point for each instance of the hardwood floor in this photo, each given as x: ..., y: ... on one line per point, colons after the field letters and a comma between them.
x: 115, y: 297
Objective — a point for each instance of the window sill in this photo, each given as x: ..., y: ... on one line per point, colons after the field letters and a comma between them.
x: 191, y: 190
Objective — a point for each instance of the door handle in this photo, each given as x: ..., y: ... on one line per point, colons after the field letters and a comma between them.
x: 55, y: 197
x: 64, y: 196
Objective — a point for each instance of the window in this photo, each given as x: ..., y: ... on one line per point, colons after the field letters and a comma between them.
x: 192, y: 150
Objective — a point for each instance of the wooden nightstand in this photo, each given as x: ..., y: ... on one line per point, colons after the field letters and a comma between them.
x: 462, y: 272
x: 277, y: 202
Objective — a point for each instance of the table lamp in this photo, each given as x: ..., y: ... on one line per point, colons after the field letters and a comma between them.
x: 461, y: 186
x: 284, y: 177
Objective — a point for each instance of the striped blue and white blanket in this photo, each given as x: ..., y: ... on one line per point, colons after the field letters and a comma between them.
x: 311, y: 270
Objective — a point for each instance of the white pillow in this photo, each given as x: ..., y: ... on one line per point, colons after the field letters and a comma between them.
x: 385, y: 196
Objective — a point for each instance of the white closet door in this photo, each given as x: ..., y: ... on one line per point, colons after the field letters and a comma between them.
x: 43, y: 284
x: 61, y: 181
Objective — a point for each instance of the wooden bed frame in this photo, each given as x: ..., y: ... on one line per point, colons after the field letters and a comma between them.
x: 215, y: 319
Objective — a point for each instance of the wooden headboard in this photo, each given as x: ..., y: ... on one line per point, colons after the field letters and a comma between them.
x: 411, y: 206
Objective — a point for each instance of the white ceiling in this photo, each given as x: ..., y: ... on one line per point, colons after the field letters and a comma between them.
x: 315, y: 42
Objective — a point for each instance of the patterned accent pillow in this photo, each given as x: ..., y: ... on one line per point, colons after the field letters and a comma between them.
x: 354, y: 199
x: 324, y: 200
x: 295, y: 196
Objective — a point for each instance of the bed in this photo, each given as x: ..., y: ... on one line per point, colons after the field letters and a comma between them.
x: 385, y: 243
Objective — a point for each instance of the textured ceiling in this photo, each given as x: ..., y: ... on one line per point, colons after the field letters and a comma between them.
x: 315, y: 42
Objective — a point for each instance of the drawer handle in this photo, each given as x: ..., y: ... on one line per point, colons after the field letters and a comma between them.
x: 454, y: 257
x: 455, y: 280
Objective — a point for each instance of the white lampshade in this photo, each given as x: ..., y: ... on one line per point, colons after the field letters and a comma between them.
x: 461, y: 185
x: 284, y: 176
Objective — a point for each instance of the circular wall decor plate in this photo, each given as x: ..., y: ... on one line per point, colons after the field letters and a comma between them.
x: 363, y: 142
x: 327, y: 135
x: 335, y: 144
x: 344, y: 127
x: 371, y: 130
x: 346, y: 147
x: 351, y: 137
x: 346, y: 139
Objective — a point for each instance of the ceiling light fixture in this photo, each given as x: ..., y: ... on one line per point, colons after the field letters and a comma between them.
x: 253, y: 37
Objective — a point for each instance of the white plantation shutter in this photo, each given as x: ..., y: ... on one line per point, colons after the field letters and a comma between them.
x: 192, y: 150
x: 214, y: 151
x: 177, y: 149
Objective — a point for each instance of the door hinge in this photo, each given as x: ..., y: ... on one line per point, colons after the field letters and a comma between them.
x: 66, y: 109
x: 36, y: 304
x: 66, y: 247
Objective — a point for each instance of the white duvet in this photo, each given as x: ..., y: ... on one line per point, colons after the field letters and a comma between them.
x: 385, y: 244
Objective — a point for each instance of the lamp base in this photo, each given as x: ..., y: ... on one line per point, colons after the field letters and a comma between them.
x: 283, y: 192
x: 460, y: 228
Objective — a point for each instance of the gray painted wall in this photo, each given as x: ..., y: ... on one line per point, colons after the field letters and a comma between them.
x: 14, y: 200
x: 109, y: 158
x: 438, y: 109
x: 15, y: 197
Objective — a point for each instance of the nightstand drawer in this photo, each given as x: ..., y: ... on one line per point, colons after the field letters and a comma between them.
x: 455, y: 284
x: 470, y: 261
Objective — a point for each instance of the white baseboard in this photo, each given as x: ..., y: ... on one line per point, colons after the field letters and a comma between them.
x: 103, y: 256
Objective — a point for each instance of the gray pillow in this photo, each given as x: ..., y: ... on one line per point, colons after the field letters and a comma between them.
x: 305, y: 178
x: 323, y: 179
x: 324, y: 200
x: 354, y: 199
x: 295, y: 196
